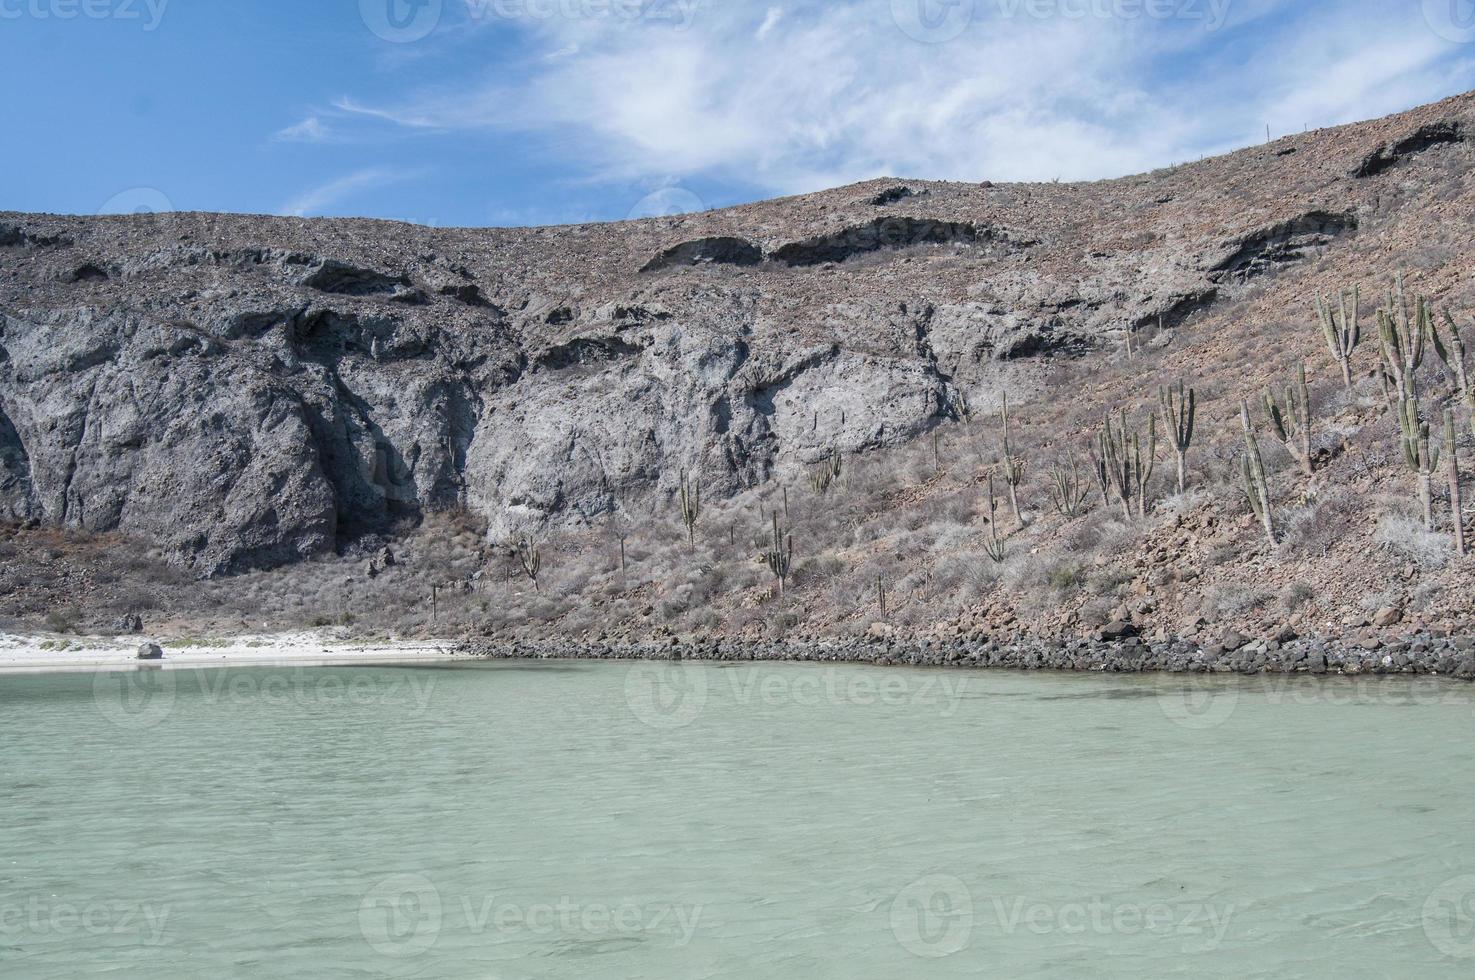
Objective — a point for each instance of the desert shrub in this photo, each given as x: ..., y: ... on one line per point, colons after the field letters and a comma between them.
x: 1312, y: 530
x: 1296, y: 595
x: 1067, y: 576
x: 964, y: 576
x: 816, y: 570
x: 62, y: 620
x: 705, y: 618
x: 1405, y: 537
x: 1234, y: 599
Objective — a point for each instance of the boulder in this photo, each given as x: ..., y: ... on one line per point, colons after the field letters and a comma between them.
x: 150, y: 651
x: 1388, y: 616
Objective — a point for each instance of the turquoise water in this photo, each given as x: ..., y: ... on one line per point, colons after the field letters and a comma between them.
x: 613, y: 820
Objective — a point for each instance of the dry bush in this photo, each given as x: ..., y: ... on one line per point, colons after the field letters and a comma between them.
x: 1314, y: 529
x: 1233, y: 600
x: 1404, y: 537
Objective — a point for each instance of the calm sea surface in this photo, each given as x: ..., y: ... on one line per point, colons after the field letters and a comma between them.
x: 701, y: 821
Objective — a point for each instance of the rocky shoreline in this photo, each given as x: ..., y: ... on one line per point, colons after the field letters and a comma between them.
x: 1415, y: 653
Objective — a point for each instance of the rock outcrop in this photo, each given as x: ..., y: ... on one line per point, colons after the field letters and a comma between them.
x: 251, y: 391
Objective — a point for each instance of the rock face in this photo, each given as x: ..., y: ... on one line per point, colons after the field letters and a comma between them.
x: 250, y: 391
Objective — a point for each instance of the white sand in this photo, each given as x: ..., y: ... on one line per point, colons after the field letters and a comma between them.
x: 46, y: 652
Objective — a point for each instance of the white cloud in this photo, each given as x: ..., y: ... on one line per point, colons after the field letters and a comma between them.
x: 317, y: 199
x: 770, y: 21
x: 309, y: 130
x: 824, y: 93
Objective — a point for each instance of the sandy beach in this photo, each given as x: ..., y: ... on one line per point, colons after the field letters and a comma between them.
x: 31, y: 653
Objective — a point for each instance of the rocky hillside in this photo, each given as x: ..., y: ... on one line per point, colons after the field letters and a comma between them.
x: 244, y: 392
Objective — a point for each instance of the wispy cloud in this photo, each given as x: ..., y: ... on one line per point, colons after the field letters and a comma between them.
x: 309, y: 130
x: 770, y: 21
x: 317, y: 199
x: 795, y: 97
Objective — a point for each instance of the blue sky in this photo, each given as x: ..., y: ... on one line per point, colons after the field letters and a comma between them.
x: 507, y: 112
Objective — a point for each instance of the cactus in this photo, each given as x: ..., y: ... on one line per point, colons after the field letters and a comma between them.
x: 881, y: 593
x: 936, y: 452
x: 993, y: 544
x: 1452, y: 465
x: 1179, y: 411
x: 620, y: 530
x: 1453, y: 358
x: 530, y: 557
x: 962, y: 408
x: 1421, y: 456
x: 1120, y: 464
x: 779, y: 556
x: 1068, y: 492
x: 1403, y: 338
x: 824, y: 473
x: 1011, y: 467
x: 691, y: 509
x: 1292, y: 422
x: 1342, y: 329
x: 1256, y: 487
